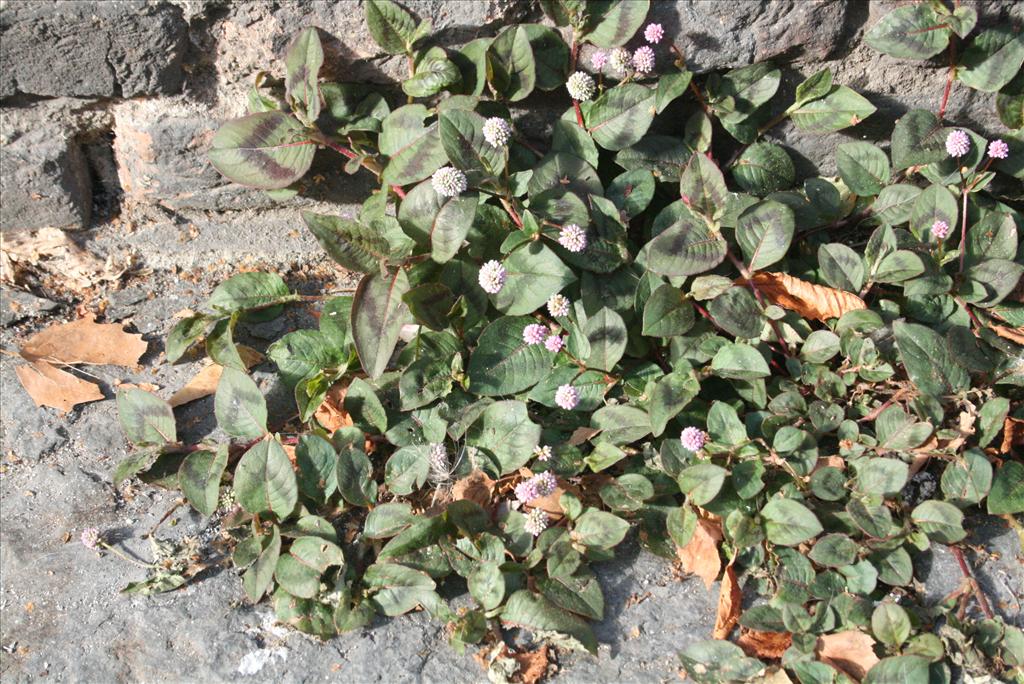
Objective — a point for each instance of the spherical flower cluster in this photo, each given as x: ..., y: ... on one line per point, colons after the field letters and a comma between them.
x: 620, y: 60
x: 449, y: 182
x: 693, y: 439
x: 497, y: 131
x: 534, y: 333
x: 558, y: 305
x: 654, y: 33
x: 546, y: 483
x: 492, y: 276
x: 438, y: 458
x: 940, y: 230
x: 573, y: 238
x: 599, y: 59
x: 957, y: 143
x: 543, y: 453
x: 91, y: 538
x: 580, y: 86
x: 567, y: 396
x: 554, y: 343
x: 997, y: 149
x: 536, y: 522
x: 643, y: 60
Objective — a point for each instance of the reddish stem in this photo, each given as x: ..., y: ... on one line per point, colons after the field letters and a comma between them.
x: 397, y: 189
x: 966, y: 570
x: 949, y: 78
x: 579, y: 114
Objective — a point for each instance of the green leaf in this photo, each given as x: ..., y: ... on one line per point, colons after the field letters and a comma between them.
x: 606, y: 332
x: 739, y: 362
x: 534, y: 612
x: 621, y: 424
x: 740, y: 92
x: 671, y: 394
x: 841, y: 267
x: 378, y: 313
x: 905, y: 669
x: 883, y: 476
x: 351, y: 244
x: 621, y: 115
x: 670, y: 87
x: 918, y: 138
x: 667, y: 313
x: 1010, y: 102
x: 890, y: 624
x: 303, y: 353
x: 910, y: 32
x: 632, y: 191
x: 993, y: 237
x: 258, y: 577
x: 463, y: 140
x: 720, y: 661
x: 687, y: 247
x: 600, y: 529
x: 737, y: 312
x: 992, y: 59
x: 423, y: 381
x: 387, y: 520
x: 935, y: 203
x: 505, y: 431
x: 146, y: 418
x: 355, y: 477
x: 789, y: 522
x: 814, y: 87
x: 840, y: 109
x: 940, y: 520
x: 407, y: 469
x: 391, y: 26
x: 414, y: 148
x: 534, y: 273
x: 991, y: 281
x: 899, y: 431
x: 764, y: 232
x: 834, y: 551
x: 863, y: 167
x: 550, y: 56
x: 264, y: 480
x: 302, y: 62
x: 764, y: 168
x: 397, y: 589
x: 991, y: 418
x: 511, y: 67
x: 220, y: 344
x: 487, y: 585
x: 928, y: 360
x: 434, y: 73
x: 249, y: 291
x: 183, y: 335
x: 967, y: 480
x: 239, y: 405
x: 317, y: 467
x: 702, y: 482
x: 895, y: 204
x: 503, y: 363
x: 199, y: 477
x: 267, y: 150
x: 616, y: 21
x: 702, y: 186
x: 1007, y: 494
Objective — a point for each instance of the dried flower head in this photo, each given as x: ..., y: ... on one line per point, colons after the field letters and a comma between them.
x: 543, y: 453
x: 997, y: 149
x: 558, y: 305
x: 619, y: 60
x: 534, y: 333
x: 91, y: 538
x: 573, y: 238
x: 440, y: 467
x: 567, y: 397
x: 599, y: 59
x: 693, y: 439
x: 554, y: 343
x: 654, y: 33
x: 957, y: 143
x: 580, y: 86
x: 536, y: 522
x: 643, y: 60
x: 940, y: 230
x: 497, y: 131
x: 492, y: 276
x: 449, y: 182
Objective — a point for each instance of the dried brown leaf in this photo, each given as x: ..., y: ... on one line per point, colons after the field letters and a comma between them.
x: 332, y: 414
x: 851, y: 652
x: 204, y: 383
x: 533, y: 665
x: 729, y: 600
x: 51, y: 386
x: 476, y: 487
x: 758, y: 644
x: 581, y: 434
x: 807, y: 299
x: 700, y: 555
x: 1013, y: 434
x: 86, y: 341
x: 1012, y: 334
x: 50, y: 258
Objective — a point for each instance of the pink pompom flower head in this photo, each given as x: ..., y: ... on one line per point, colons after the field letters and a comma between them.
x: 599, y: 59
x: 526, y: 491
x: 693, y: 439
x: 534, y: 333
x: 573, y: 238
x: 492, y: 277
x: 91, y: 538
x: 997, y: 149
x: 654, y: 33
x: 940, y: 230
x: 958, y: 143
x: 643, y: 60
x: 554, y: 343
x: 567, y: 397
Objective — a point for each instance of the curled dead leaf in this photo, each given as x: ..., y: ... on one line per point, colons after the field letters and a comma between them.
x: 51, y: 386
x: 86, y: 341
x: 204, y: 383
x: 1012, y: 334
x: 851, y: 652
x: 758, y: 644
x: 477, y: 487
x: 332, y: 414
x: 1013, y: 434
x: 729, y: 599
x: 807, y: 299
x: 700, y: 555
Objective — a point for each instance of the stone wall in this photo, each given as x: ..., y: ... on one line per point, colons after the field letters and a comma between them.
x: 107, y: 106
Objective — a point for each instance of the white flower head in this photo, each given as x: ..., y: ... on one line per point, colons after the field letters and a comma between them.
x: 558, y: 305
x: 492, y: 276
x: 497, y: 131
x: 581, y: 86
x: 449, y: 182
x: 620, y: 60
x: 573, y: 238
x: 536, y: 522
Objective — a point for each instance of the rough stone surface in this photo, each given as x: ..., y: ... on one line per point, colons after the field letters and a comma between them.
x: 102, y: 49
